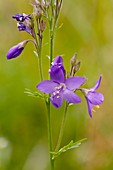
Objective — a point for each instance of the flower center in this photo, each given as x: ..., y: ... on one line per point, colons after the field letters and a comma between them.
x: 58, y: 89
x: 61, y: 87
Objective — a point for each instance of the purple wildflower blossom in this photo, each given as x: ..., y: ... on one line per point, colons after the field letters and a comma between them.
x: 21, y: 17
x: 93, y: 98
x: 24, y: 22
x: 16, y: 50
x: 59, y: 87
x: 22, y: 27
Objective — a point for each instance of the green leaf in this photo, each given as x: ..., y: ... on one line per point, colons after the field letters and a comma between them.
x: 37, y: 94
x: 71, y: 145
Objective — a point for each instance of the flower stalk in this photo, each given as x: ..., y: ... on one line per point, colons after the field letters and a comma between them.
x: 62, y: 128
x: 38, y: 45
x: 49, y: 134
x: 51, y: 37
x: 39, y: 52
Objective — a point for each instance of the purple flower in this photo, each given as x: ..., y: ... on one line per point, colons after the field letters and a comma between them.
x: 22, y: 27
x: 16, y: 50
x: 24, y: 22
x: 59, y: 87
x: 21, y: 17
x: 93, y: 98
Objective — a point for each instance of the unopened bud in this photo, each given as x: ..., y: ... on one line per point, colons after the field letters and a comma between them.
x: 16, y: 50
x: 42, y: 25
x: 37, y: 11
x: 76, y: 67
x: 74, y: 60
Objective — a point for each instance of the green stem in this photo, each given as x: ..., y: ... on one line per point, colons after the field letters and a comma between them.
x: 51, y: 46
x: 38, y: 46
x: 62, y: 128
x: 48, y: 103
x: 51, y: 34
x: 40, y: 59
x: 50, y: 134
x: 52, y: 30
x: 52, y: 8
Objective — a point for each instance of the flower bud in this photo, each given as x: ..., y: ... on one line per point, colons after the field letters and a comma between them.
x: 74, y: 60
x: 76, y: 67
x: 16, y: 50
x: 37, y: 11
x: 42, y: 25
x: 75, y: 64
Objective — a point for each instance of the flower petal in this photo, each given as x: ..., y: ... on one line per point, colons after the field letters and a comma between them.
x: 56, y: 100
x: 21, y: 17
x: 90, y: 107
x: 95, y: 97
x: 58, y: 60
x: 57, y: 74
x: 23, y: 27
x: 74, y: 82
x: 47, y: 86
x: 97, y: 84
x: 71, y: 97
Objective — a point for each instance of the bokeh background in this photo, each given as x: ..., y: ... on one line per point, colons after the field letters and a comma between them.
x: 87, y: 28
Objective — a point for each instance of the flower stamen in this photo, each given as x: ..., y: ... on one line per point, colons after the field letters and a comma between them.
x: 96, y: 107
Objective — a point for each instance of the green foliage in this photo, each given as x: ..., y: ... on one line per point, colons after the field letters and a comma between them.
x: 71, y: 145
x: 37, y: 94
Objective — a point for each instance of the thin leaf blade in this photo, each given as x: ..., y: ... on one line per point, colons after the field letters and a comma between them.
x: 71, y: 145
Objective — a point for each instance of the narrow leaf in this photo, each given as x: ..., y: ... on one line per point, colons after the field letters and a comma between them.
x: 37, y: 93
x: 71, y: 145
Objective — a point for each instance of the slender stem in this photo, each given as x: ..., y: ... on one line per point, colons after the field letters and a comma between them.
x: 51, y: 35
x: 38, y: 46
x: 49, y: 134
x: 57, y: 12
x: 62, y: 128
x: 51, y: 24
x: 51, y: 41
x: 51, y: 46
x: 52, y: 8
x: 40, y: 58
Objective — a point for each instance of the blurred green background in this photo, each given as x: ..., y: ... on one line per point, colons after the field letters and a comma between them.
x: 88, y: 30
